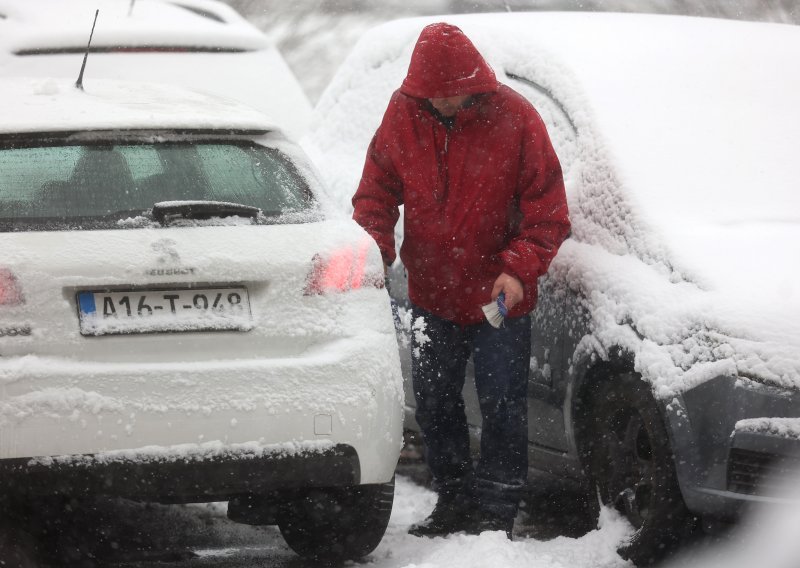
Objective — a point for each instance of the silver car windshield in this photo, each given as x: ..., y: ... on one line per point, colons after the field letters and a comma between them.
x: 95, y: 185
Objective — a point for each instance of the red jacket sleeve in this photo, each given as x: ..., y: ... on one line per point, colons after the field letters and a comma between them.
x: 542, y: 207
x: 380, y: 193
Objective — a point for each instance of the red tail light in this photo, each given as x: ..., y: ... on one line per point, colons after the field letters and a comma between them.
x: 10, y: 291
x: 342, y: 271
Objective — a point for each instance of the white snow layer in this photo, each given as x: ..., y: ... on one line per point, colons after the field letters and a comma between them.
x: 413, y: 503
x: 49, y: 24
x: 55, y: 105
x: 208, y: 47
x: 678, y: 161
x: 200, y: 452
x: 781, y: 427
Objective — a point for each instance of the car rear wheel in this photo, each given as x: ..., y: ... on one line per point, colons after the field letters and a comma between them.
x: 336, y: 524
x: 631, y: 464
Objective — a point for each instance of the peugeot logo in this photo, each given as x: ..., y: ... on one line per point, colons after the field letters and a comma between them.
x: 166, y: 251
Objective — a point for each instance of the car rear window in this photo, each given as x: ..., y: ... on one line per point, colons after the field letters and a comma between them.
x: 95, y: 185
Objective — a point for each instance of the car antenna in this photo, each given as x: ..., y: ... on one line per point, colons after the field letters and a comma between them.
x: 130, y: 8
x: 79, y: 82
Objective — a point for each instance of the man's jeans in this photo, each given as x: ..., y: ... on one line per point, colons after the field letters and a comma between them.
x: 501, y: 358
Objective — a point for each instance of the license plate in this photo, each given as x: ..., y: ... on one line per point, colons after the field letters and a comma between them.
x: 151, y: 311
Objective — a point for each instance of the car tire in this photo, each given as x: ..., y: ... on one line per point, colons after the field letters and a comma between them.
x: 631, y: 465
x: 337, y: 524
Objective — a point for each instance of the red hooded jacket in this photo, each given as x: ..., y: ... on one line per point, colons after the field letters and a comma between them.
x: 482, y: 196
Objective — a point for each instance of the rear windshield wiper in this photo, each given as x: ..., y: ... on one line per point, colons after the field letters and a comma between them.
x: 166, y: 211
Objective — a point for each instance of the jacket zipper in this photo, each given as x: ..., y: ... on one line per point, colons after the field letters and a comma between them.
x: 443, y: 166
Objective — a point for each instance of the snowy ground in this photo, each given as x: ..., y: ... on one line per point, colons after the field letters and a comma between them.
x: 122, y: 534
x: 595, y: 549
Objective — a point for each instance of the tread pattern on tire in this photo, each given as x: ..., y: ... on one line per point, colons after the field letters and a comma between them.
x: 338, y: 524
x: 666, y: 523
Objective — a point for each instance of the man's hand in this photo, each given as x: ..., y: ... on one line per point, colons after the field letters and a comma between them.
x: 512, y: 288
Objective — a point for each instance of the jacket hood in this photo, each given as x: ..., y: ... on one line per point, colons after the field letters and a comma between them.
x: 445, y: 63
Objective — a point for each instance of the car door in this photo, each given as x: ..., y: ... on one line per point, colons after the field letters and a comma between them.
x: 546, y: 385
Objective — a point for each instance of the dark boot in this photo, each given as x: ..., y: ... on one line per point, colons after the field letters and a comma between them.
x: 484, y: 520
x: 496, y: 506
x: 452, y: 514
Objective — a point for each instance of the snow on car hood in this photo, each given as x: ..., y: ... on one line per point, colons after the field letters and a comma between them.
x: 687, y: 164
x: 685, y: 222
x: 704, y: 143
x: 679, y: 334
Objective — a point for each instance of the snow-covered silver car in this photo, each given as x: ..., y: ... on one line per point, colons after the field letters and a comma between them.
x: 666, y: 342
x: 200, y: 44
x: 183, y: 319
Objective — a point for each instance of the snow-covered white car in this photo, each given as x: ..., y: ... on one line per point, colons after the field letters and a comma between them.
x: 201, y: 44
x: 666, y: 341
x: 183, y: 319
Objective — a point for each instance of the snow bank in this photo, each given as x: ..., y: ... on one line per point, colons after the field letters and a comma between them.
x: 413, y: 503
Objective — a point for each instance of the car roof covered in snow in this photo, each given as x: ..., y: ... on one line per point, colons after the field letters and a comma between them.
x: 57, y: 26
x: 694, y: 130
x: 683, y: 186
x: 659, y: 89
x: 57, y: 105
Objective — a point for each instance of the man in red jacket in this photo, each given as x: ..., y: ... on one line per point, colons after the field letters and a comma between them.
x: 485, y: 213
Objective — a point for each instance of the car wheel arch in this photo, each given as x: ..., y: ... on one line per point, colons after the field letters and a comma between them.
x: 592, y: 371
x: 594, y: 379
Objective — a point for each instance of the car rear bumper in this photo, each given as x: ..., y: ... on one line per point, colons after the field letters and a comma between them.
x: 186, y: 479
x: 348, y: 393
